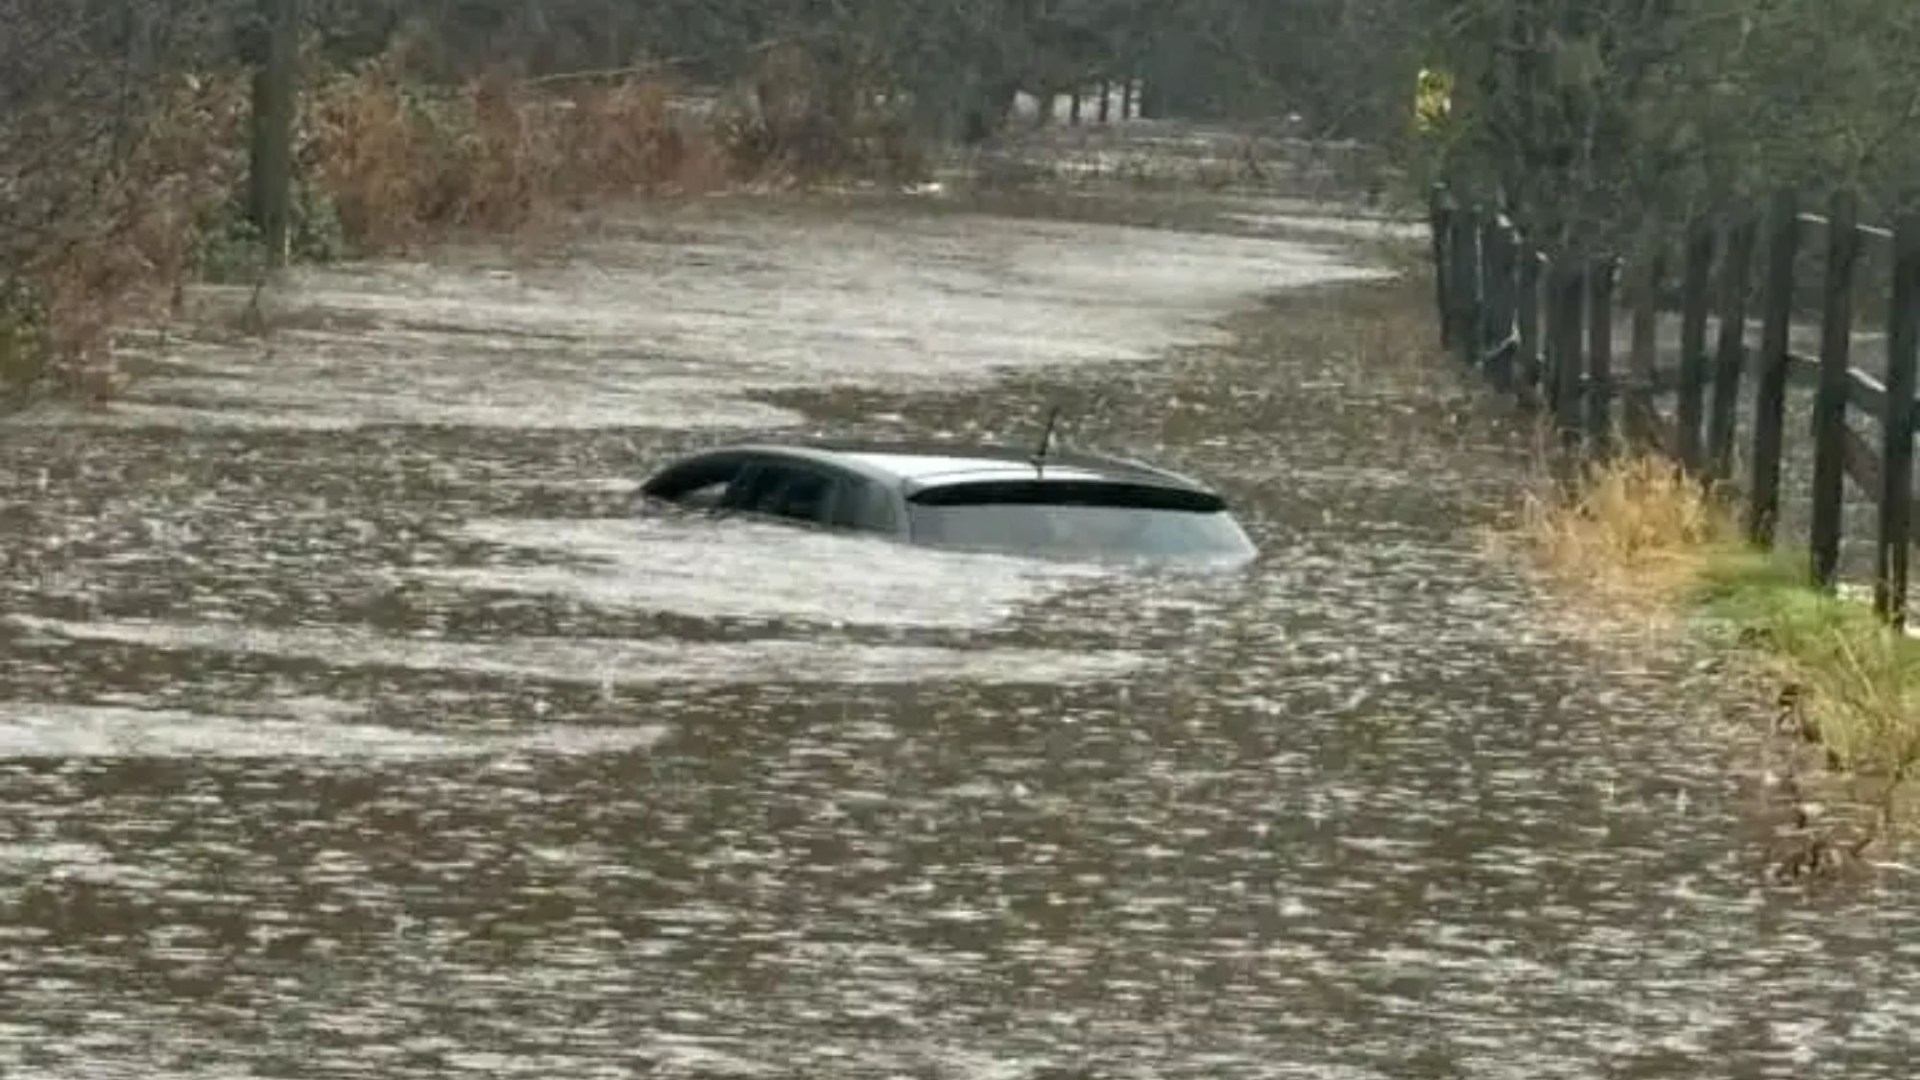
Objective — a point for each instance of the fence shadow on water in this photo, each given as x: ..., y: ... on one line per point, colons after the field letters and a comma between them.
x: 1712, y: 367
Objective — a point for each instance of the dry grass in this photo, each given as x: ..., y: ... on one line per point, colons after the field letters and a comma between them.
x: 402, y: 165
x: 1634, y: 532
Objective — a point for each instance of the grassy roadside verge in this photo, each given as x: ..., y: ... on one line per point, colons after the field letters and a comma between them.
x: 1636, y: 538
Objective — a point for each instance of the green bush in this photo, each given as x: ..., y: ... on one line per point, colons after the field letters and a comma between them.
x: 23, y: 338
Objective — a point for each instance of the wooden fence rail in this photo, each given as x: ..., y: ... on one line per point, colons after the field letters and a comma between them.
x: 1542, y: 328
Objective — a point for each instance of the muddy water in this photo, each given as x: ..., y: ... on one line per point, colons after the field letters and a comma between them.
x: 353, y: 724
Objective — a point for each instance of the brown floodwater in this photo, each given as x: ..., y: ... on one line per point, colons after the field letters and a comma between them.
x: 353, y: 722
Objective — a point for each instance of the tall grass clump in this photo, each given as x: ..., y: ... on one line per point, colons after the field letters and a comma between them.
x: 1634, y: 529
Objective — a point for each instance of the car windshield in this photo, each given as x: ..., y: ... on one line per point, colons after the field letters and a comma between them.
x: 1096, y: 521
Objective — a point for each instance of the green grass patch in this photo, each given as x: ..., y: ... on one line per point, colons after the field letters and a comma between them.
x: 1857, y: 680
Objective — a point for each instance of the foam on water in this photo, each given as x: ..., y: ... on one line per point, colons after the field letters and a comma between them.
x: 633, y: 328
x: 64, y: 731
x: 609, y: 662
x: 742, y: 570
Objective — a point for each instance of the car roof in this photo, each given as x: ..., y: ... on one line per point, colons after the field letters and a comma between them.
x: 917, y: 466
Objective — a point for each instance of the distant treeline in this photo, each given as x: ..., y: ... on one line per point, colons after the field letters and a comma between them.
x: 1342, y: 64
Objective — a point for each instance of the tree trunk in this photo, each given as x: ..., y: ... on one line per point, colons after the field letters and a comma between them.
x: 270, y: 165
x: 1106, y: 101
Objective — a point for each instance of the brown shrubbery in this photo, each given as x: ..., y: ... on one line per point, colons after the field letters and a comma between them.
x: 108, y: 233
x: 386, y: 160
x: 401, y: 163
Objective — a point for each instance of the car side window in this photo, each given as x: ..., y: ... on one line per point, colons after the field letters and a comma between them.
x: 705, y: 497
x: 699, y: 484
x: 805, y: 496
x: 863, y: 505
x: 784, y: 491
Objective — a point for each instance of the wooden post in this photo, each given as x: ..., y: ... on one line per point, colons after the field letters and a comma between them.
x: 1646, y: 326
x: 1550, y: 336
x: 1830, y: 403
x: 1735, y: 270
x: 1600, y: 355
x: 1487, y: 285
x: 1126, y: 98
x: 1463, y: 282
x: 1568, y: 292
x: 1532, y: 271
x: 1496, y: 254
x: 1440, y: 217
x: 1770, y: 390
x: 1896, y: 425
x: 1073, y: 106
x: 270, y: 164
x: 1106, y: 100
x: 1693, y: 343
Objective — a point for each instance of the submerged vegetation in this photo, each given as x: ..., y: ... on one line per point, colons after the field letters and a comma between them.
x: 1639, y: 537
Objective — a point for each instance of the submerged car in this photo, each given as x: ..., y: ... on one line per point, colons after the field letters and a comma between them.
x: 972, y: 498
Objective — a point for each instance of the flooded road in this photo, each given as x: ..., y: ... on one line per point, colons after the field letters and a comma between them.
x: 353, y: 723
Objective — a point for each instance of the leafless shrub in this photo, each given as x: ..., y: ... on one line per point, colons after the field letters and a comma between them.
x: 117, y: 132
x: 403, y: 162
x: 820, y: 110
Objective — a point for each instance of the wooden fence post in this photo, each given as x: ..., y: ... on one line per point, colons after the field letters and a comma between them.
x: 1496, y: 295
x: 1483, y: 286
x: 1735, y: 274
x: 1568, y: 291
x: 1693, y: 343
x: 1463, y: 283
x: 1896, y: 493
x: 1830, y: 403
x: 1550, y: 312
x: 1646, y: 325
x: 1440, y: 218
x: 1532, y: 267
x: 1600, y: 355
x: 270, y: 164
x: 1770, y: 389
x: 1500, y: 303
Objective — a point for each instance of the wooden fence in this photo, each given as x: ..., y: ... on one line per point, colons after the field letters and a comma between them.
x: 1543, y: 330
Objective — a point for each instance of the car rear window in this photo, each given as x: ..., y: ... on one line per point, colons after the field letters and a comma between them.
x: 1079, y: 520
x: 1116, y: 494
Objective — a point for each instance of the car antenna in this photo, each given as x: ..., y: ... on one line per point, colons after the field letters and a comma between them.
x: 1046, y: 438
